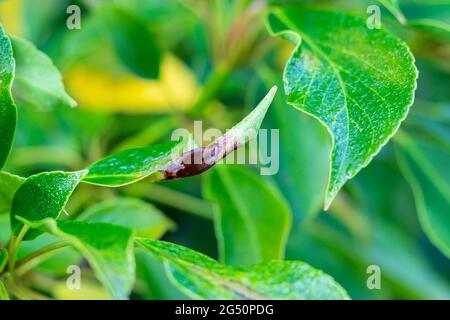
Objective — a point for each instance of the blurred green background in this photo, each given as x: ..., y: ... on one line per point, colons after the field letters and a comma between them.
x: 214, y: 60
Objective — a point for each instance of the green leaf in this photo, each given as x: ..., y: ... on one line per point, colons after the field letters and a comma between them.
x: 132, y: 40
x: 42, y: 196
x: 143, y: 217
x: 251, y: 217
x: 9, y: 184
x: 8, y: 113
x: 202, y: 277
x: 108, y: 249
x: 37, y: 82
x: 425, y: 166
x: 357, y: 82
x: 3, y: 292
x: 132, y: 165
x: 3, y: 259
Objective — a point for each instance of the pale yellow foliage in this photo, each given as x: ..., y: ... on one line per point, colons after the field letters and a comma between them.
x: 101, y: 90
x: 11, y: 17
x: 89, y: 291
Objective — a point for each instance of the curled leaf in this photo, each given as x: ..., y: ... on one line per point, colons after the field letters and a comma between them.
x: 198, y: 160
x: 358, y: 82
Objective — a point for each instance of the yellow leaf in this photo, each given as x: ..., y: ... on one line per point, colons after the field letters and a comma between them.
x: 11, y: 17
x: 103, y: 90
x: 89, y: 290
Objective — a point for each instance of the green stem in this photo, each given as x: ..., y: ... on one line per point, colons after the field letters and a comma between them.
x: 39, y: 253
x: 172, y: 198
x: 23, y: 293
x: 14, y: 248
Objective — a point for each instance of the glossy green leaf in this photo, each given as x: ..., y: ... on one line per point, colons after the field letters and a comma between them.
x: 37, y: 81
x: 251, y: 217
x: 3, y: 292
x: 357, y: 82
x: 132, y: 165
x: 7, y: 108
x: 202, y: 277
x: 132, y: 40
x: 3, y: 259
x: 147, y: 220
x: 425, y: 164
x: 42, y: 196
x: 9, y: 184
x: 108, y: 249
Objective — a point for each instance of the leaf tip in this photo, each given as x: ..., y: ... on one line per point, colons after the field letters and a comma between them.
x: 329, y: 198
x: 73, y: 103
x: 272, y: 91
